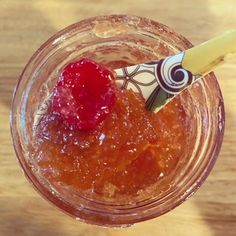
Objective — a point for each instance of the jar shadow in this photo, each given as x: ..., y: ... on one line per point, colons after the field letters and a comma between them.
x: 216, y: 198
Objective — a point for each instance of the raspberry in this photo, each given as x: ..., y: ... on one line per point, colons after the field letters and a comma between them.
x: 84, y: 94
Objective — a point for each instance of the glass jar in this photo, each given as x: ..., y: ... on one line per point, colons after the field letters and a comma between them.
x: 123, y: 40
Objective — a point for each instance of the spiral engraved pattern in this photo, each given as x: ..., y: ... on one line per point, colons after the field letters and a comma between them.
x: 171, y: 76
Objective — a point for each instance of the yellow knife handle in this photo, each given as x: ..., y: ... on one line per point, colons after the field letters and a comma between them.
x: 202, y: 58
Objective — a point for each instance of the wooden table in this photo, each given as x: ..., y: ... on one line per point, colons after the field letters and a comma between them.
x: 24, y: 26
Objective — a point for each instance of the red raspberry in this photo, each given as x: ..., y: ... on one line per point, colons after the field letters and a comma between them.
x: 84, y: 94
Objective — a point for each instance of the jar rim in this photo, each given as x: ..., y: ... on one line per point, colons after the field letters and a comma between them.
x: 55, y: 39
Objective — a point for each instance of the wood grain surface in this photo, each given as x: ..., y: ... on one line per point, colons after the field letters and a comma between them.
x: 24, y: 26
